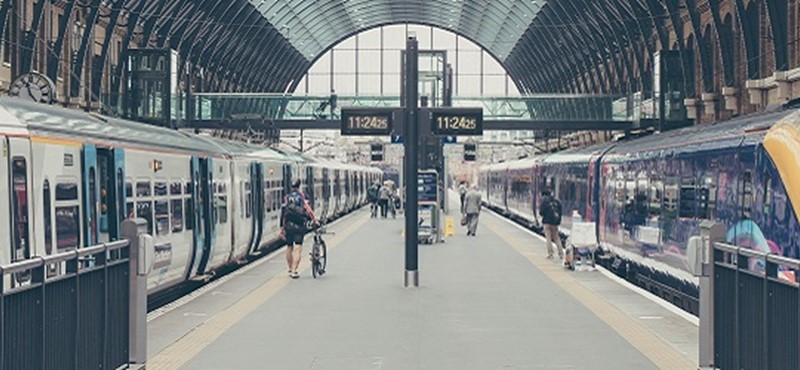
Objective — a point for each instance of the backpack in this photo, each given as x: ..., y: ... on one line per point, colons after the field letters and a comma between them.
x: 372, y: 192
x: 553, y: 212
x: 295, y: 208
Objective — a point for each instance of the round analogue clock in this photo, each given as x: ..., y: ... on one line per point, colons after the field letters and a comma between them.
x: 35, y: 87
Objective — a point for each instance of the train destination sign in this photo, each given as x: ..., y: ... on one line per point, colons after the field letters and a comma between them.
x: 457, y: 121
x: 366, y: 122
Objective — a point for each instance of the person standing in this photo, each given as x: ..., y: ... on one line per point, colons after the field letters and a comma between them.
x: 295, y: 213
x: 550, y: 211
x: 383, y: 200
x: 472, y: 208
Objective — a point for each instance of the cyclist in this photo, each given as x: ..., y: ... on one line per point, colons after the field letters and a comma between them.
x: 295, y: 214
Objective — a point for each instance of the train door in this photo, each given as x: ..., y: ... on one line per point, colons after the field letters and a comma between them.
x: 18, y: 152
x: 201, y: 213
x: 257, y: 200
x: 287, y: 178
x: 111, y: 176
x: 310, y: 188
x: 207, y: 191
x: 326, y: 191
x: 91, y: 196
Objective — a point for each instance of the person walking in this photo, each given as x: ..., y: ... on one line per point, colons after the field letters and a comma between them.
x: 372, y: 196
x: 295, y: 213
x: 462, y: 192
x: 383, y: 200
x: 472, y: 208
x: 550, y: 211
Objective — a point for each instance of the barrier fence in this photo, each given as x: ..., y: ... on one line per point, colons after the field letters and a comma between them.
x: 756, y: 305
x: 68, y: 310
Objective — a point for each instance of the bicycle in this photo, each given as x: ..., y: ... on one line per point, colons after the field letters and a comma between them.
x: 319, y: 252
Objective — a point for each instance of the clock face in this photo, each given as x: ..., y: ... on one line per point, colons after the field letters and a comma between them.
x: 35, y: 87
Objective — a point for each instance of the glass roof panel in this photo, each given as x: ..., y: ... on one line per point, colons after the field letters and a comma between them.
x: 312, y: 26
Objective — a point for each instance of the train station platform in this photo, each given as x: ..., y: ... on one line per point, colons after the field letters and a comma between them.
x: 487, y: 302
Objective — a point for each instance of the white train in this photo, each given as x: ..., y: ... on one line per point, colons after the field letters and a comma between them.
x: 70, y: 178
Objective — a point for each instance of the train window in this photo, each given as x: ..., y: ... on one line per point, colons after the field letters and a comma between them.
x: 671, y: 195
x: 689, y: 198
x: 128, y: 189
x: 92, y: 204
x: 767, y: 199
x: 162, y: 217
x: 222, y: 205
x: 248, y: 198
x: 145, y: 210
x: 143, y: 189
x: 747, y: 194
x: 655, y: 197
x: 187, y: 188
x: 189, y: 208
x: 707, y: 207
x: 48, y: 218
x: 242, y: 201
x: 67, y: 227
x: 160, y: 189
x: 67, y: 191
x: 175, y: 188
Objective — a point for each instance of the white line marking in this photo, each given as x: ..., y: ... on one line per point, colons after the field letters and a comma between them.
x: 666, y: 305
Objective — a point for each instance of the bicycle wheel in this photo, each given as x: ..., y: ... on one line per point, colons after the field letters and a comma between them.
x: 322, y: 258
x: 315, y: 261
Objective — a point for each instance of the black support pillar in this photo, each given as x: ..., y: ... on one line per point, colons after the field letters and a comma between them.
x: 411, y: 161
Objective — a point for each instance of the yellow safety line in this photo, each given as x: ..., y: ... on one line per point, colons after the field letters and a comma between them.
x: 187, y: 347
x: 661, y: 353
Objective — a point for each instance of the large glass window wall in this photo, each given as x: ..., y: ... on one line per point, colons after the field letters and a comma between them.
x: 368, y: 64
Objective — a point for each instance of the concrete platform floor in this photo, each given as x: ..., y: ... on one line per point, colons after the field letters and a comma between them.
x: 486, y: 302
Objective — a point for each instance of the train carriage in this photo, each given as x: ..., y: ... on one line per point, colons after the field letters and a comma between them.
x: 72, y: 177
x: 648, y: 196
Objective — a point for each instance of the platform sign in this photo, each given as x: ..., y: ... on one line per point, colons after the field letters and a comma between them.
x: 376, y: 152
x: 470, y: 152
x: 457, y: 121
x: 428, y: 186
x: 366, y: 122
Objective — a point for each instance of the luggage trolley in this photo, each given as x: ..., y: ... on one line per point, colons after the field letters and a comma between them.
x: 582, y: 243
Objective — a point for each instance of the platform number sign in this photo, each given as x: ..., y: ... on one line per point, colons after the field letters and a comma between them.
x: 470, y: 152
x: 376, y: 152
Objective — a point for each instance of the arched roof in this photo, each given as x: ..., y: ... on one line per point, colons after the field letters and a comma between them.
x: 312, y: 26
x: 587, y: 46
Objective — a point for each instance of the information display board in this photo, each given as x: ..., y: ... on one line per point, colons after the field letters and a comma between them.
x: 457, y: 121
x: 427, y: 190
x: 366, y: 122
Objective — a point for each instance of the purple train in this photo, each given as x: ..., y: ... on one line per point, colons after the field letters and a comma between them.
x: 648, y: 196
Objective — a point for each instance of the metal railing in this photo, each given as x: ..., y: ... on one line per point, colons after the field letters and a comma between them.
x: 77, y: 319
x: 756, y: 309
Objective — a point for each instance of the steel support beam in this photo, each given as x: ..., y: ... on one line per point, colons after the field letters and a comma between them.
x: 80, y: 57
x: 488, y: 125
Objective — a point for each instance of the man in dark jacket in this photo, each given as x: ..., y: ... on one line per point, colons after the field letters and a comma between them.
x: 550, y: 211
x: 372, y: 195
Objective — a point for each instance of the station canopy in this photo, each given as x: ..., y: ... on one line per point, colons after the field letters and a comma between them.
x: 313, y: 26
x: 544, y: 45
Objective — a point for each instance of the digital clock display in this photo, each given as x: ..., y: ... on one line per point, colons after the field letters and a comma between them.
x: 457, y: 121
x: 366, y: 122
